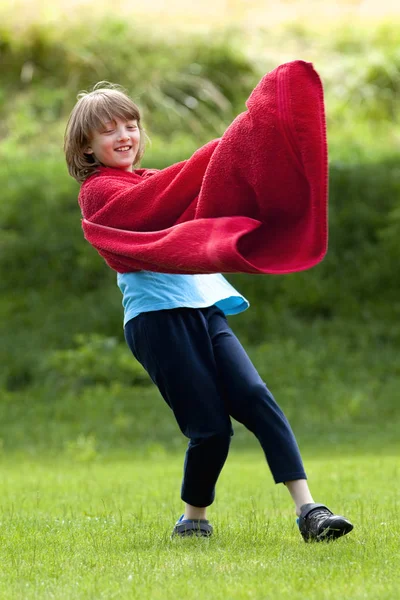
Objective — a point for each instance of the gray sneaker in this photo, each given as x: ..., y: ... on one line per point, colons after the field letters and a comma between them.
x: 317, y: 523
x: 192, y: 527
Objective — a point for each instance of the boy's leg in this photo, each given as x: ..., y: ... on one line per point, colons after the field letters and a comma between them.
x: 175, y: 349
x: 251, y: 403
x: 300, y: 492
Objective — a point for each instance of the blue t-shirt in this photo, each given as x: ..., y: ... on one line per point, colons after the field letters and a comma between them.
x: 144, y: 291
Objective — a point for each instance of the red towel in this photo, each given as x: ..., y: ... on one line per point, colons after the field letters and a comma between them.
x: 254, y: 201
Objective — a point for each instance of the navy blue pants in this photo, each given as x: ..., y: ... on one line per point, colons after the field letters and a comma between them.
x: 205, y: 376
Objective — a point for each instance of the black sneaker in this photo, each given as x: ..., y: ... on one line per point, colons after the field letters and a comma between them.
x: 317, y: 523
x: 192, y: 527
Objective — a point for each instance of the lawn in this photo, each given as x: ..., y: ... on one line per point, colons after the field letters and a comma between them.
x: 101, y: 529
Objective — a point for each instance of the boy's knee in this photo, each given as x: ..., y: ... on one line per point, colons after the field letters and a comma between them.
x: 259, y: 393
x: 217, y: 441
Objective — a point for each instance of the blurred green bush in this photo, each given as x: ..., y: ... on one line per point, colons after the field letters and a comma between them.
x: 192, y: 86
x: 332, y: 378
x: 55, y: 287
x: 94, y: 360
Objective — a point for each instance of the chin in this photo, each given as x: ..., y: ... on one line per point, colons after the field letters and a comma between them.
x: 126, y: 165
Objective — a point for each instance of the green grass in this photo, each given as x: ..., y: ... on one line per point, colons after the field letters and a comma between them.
x: 100, y: 529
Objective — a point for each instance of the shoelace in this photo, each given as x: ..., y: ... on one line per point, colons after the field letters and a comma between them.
x: 318, y: 516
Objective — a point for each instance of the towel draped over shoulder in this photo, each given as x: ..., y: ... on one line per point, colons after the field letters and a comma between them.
x: 253, y: 201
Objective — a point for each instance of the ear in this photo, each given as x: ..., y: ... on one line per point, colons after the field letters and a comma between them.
x: 88, y: 150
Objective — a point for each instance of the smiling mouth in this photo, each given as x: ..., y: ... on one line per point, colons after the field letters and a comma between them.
x: 123, y: 149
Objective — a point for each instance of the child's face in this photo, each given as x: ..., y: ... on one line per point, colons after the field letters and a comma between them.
x: 116, y: 144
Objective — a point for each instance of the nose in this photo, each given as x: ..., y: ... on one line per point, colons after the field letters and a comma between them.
x: 123, y: 135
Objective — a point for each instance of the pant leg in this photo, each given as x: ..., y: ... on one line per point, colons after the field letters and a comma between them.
x: 175, y: 349
x: 250, y: 402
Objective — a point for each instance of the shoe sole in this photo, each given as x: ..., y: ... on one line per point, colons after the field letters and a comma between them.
x: 190, y: 534
x: 192, y: 529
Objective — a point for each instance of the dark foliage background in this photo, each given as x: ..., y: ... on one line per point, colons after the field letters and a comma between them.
x: 332, y: 331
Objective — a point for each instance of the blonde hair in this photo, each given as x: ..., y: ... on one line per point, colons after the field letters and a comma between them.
x: 104, y: 103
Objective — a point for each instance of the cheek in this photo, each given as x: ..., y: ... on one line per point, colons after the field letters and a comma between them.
x: 108, y: 146
x: 97, y: 147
